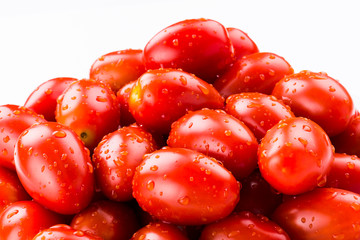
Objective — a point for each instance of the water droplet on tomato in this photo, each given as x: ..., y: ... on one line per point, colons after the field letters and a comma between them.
x: 101, y: 99
x: 154, y: 168
x: 306, y: 128
x: 150, y: 185
x: 203, y: 89
x: 6, y: 139
x: 350, y: 165
x: 59, y: 134
x: 175, y: 42
x: 355, y: 206
x: 184, y: 200
x: 228, y: 132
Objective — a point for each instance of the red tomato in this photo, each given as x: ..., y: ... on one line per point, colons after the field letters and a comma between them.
x: 160, y: 97
x: 242, y: 43
x: 318, y: 97
x: 108, y: 220
x: 122, y: 96
x: 324, y: 213
x: 44, y: 98
x: 159, y: 231
x: 295, y: 155
x: 258, y: 111
x: 54, y: 167
x: 90, y: 109
x: 118, y: 68
x: 258, y: 72
x: 243, y: 226
x: 198, y: 46
x: 13, y: 120
x: 11, y: 189
x: 116, y: 158
x: 218, y: 135
x: 22, y: 220
x: 62, y: 231
x: 182, y: 186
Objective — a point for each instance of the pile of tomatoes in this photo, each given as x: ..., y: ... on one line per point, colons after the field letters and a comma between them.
x: 197, y: 136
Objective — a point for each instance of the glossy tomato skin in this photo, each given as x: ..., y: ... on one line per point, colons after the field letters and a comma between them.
x: 14, y: 120
x: 89, y: 108
x: 219, y: 135
x: 182, y: 186
x: 122, y: 96
x: 160, y: 97
x: 318, y: 97
x: 55, y: 168
x: 159, y: 231
x: 107, y: 219
x: 22, y: 220
x: 295, y: 156
x: 116, y: 158
x: 43, y: 99
x: 242, y: 43
x: 198, y: 46
x: 324, y: 213
x: 257, y: 72
x: 118, y: 68
x: 242, y: 226
x: 63, y: 231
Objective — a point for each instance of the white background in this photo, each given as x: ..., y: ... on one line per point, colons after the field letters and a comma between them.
x: 43, y: 39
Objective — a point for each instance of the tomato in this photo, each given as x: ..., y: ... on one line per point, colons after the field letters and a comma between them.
x: 185, y: 187
x: 118, y: 68
x: 63, y: 231
x: 159, y: 231
x: 295, y: 156
x: 44, y: 98
x: 318, y: 97
x: 160, y: 97
x: 218, y: 135
x: 11, y: 189
x: 258, y: 111
x: 13, y: 120
x: 116, y: 158
x: 257, y: 72
x: 324, y: 213
x: 90, y: 109
x: 108, y: 220
x: 54, y: 167
x: 22, y: 220
x: 198, y: 46
x: 242, y: 43
x: 122, y: 96
x: 243, y: 226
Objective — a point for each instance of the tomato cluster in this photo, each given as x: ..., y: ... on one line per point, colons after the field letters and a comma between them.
x: 198, y: 135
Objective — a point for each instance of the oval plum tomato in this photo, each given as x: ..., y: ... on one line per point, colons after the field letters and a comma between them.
x: 63, y: 231
x: 116, y: 158
x: 242, y: 43
x: 118, y: 68
x: 11, y: 189
x: 295, y: 156
x: 242, y: 226
x: 108, y: 220
x: 160, y: 97
x: 258, y: 111
x: 198, y: 46
x: 218, y: 135
x: 13, y: 121
x: 44, y: 98
x: 159, y: 231
x: 22, y: 220
x: 324, y: 213
x: 185, y: 187
x: 90, y: 109
x: 54, y: 167
x: 257, y: 72
x: 318, y: 97
x: 122, y: 96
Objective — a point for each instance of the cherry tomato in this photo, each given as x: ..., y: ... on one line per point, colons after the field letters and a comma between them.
x: 324, y: 213
x: 318, y: 97
x: 13, y: 121
x: 243, y: 226
x: 160, y: 97
x: 54, y: 167
x: 44, y: 98
x: 63, y: 231
x: 118, y: 68
x: 90, y: 109
x: 242, y: 43
x: 122, y: 96
x: 116, y: 158
x: 295, y: 155
x: 22, y: 220
x: 257, y: 72
x: 159, y: 231
x: 258, y: 111
x: 185, y: 187
x: 218, y: 135
x: 198, y: 46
